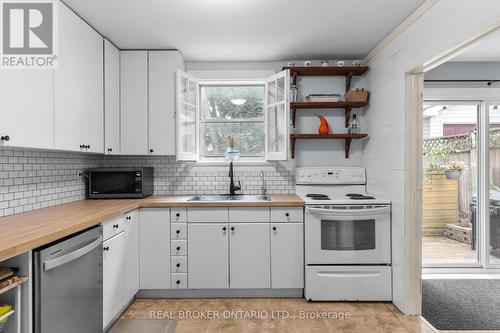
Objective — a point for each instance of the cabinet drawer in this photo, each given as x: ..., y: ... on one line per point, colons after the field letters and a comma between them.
x: 178, y: 215
x: 207, y: 214
x: 178, y: 231
x: 243, y: 214
x: 113, y: 227
x: 179, y: 281
x: 178, y: 264
x: 178, y: 247
x: 287, y: 214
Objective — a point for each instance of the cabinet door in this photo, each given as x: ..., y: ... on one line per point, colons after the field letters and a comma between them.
x: 134, y: 102
x: 111, y: 99
x: 131, y: 272
x: 277, y: 115
x: 287, y: 255
x: 155, y: 248
x: 208, y: 256
x: 68, y: 82
x: 162, y: 68
x: 92, y: 89
x: 27, y: 108
x: 113, y: 261
x: 249, y: 246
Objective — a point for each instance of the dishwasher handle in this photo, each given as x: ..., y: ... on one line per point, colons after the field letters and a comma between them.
x: 64, y: 259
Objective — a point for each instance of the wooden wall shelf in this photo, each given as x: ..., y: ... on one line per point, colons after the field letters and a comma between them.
x: 348, y: 72
x: 346, y: 137
x: 347, y: 106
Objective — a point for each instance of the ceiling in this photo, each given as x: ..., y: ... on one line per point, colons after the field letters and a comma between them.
x: 486, y: 49
x: 247, y: 30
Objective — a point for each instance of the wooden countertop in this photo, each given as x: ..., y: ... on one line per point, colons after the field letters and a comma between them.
x: 23, y: 232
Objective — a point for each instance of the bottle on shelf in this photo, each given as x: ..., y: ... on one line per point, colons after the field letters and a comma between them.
x: 353, y: 125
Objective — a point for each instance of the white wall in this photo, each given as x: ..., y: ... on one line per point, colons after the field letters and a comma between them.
x: 447, y: 24
x: 464, y: 70
x: 308, y: 152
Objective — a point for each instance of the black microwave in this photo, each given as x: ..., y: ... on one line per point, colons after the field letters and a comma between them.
x: 116, y: 183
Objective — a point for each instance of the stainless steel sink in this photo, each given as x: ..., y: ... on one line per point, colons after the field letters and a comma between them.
x: 230, y: 198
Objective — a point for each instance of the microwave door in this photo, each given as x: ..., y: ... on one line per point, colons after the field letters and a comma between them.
x: 113, y: 183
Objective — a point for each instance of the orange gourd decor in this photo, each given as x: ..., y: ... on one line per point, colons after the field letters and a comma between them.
x: 324, y: 127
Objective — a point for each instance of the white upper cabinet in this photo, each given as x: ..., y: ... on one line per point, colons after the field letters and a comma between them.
x: 162, y: 68
x: 27, y: 108
x: 111, y: 99
x: 134, y: 102
x: 78, y: 86
x: 277, y: 109
x: 187, y: 117
x: 68, y: 83
x: 92, y: 89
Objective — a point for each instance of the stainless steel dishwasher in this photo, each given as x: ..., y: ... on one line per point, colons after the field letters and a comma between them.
x: 68, y: 284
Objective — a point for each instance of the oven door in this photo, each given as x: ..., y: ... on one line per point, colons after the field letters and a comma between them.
x: 348, y: 234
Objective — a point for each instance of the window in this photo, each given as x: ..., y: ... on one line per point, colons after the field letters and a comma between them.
x: 256, y: 113
x: 232, y: 110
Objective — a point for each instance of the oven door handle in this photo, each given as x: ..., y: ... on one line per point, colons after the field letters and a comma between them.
x: 349, y: 212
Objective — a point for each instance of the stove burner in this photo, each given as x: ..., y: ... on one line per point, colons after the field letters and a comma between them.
x: 363, y: 197
x: 317, y: 196
x: 320, y: 198
x: 353, y: 195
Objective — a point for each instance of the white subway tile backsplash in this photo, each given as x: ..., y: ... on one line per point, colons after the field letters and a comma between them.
x: 33, y: 179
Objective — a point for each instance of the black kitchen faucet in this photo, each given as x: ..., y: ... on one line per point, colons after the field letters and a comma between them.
x: 232, y: 187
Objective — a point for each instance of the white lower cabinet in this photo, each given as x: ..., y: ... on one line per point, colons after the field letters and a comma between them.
x: 113, y: 283
x: 131, y: 265
x: 208, y: 251
x: 154, y: 248
x: 287, y: 255
x: 249, y: 248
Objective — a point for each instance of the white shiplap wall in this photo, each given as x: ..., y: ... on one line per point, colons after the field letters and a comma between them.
x: 444, y: 26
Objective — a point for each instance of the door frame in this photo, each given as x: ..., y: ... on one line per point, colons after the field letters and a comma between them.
x: 413, y: 169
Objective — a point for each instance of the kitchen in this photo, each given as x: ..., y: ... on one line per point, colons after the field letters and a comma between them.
x: 143, y: 174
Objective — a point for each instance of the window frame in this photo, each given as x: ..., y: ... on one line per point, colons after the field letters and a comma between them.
x: 230, y: 82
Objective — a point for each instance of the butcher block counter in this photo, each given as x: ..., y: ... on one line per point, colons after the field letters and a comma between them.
x: 23, y: 232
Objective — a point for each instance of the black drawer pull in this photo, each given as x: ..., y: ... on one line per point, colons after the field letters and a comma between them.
x: 178, y: 281
x: 178, y: 248
x: 178, y: 265
x: 287, y: 214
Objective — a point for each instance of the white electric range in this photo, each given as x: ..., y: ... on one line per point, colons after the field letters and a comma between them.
x: 347, y: 236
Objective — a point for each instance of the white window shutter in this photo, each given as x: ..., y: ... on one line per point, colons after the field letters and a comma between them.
x: 187, y: 116
x: 277, y: 115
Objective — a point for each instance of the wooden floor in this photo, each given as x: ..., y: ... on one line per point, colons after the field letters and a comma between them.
x: 440, y: 249
x: 343, y: 316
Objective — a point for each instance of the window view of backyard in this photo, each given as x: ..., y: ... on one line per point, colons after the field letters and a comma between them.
x: 232, y: 110
x: 450, y: 220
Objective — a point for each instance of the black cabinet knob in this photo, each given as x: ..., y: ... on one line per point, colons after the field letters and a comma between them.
x: 88, y: 146
x: 287, y: 214
x: 178, y: 281
x: 106, y: 248
x: 116, y: 226
x: 110, y: 149
x: 177, y: 215
x: 178, y: 265
x: 128, y: 217
x: 177, y: 231
x: 5, y: 138
x: 224, y: 229
x: 274, y: 228
x: 232, y: 228
x: 151, y: 150
x: 178, y: 248
x: 82, y: 146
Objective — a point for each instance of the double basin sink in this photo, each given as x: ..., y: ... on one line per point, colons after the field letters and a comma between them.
x: 212, y: 198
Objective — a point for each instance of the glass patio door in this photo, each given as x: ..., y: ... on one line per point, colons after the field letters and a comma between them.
x: 492, y: 230
x: 451, y: 228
